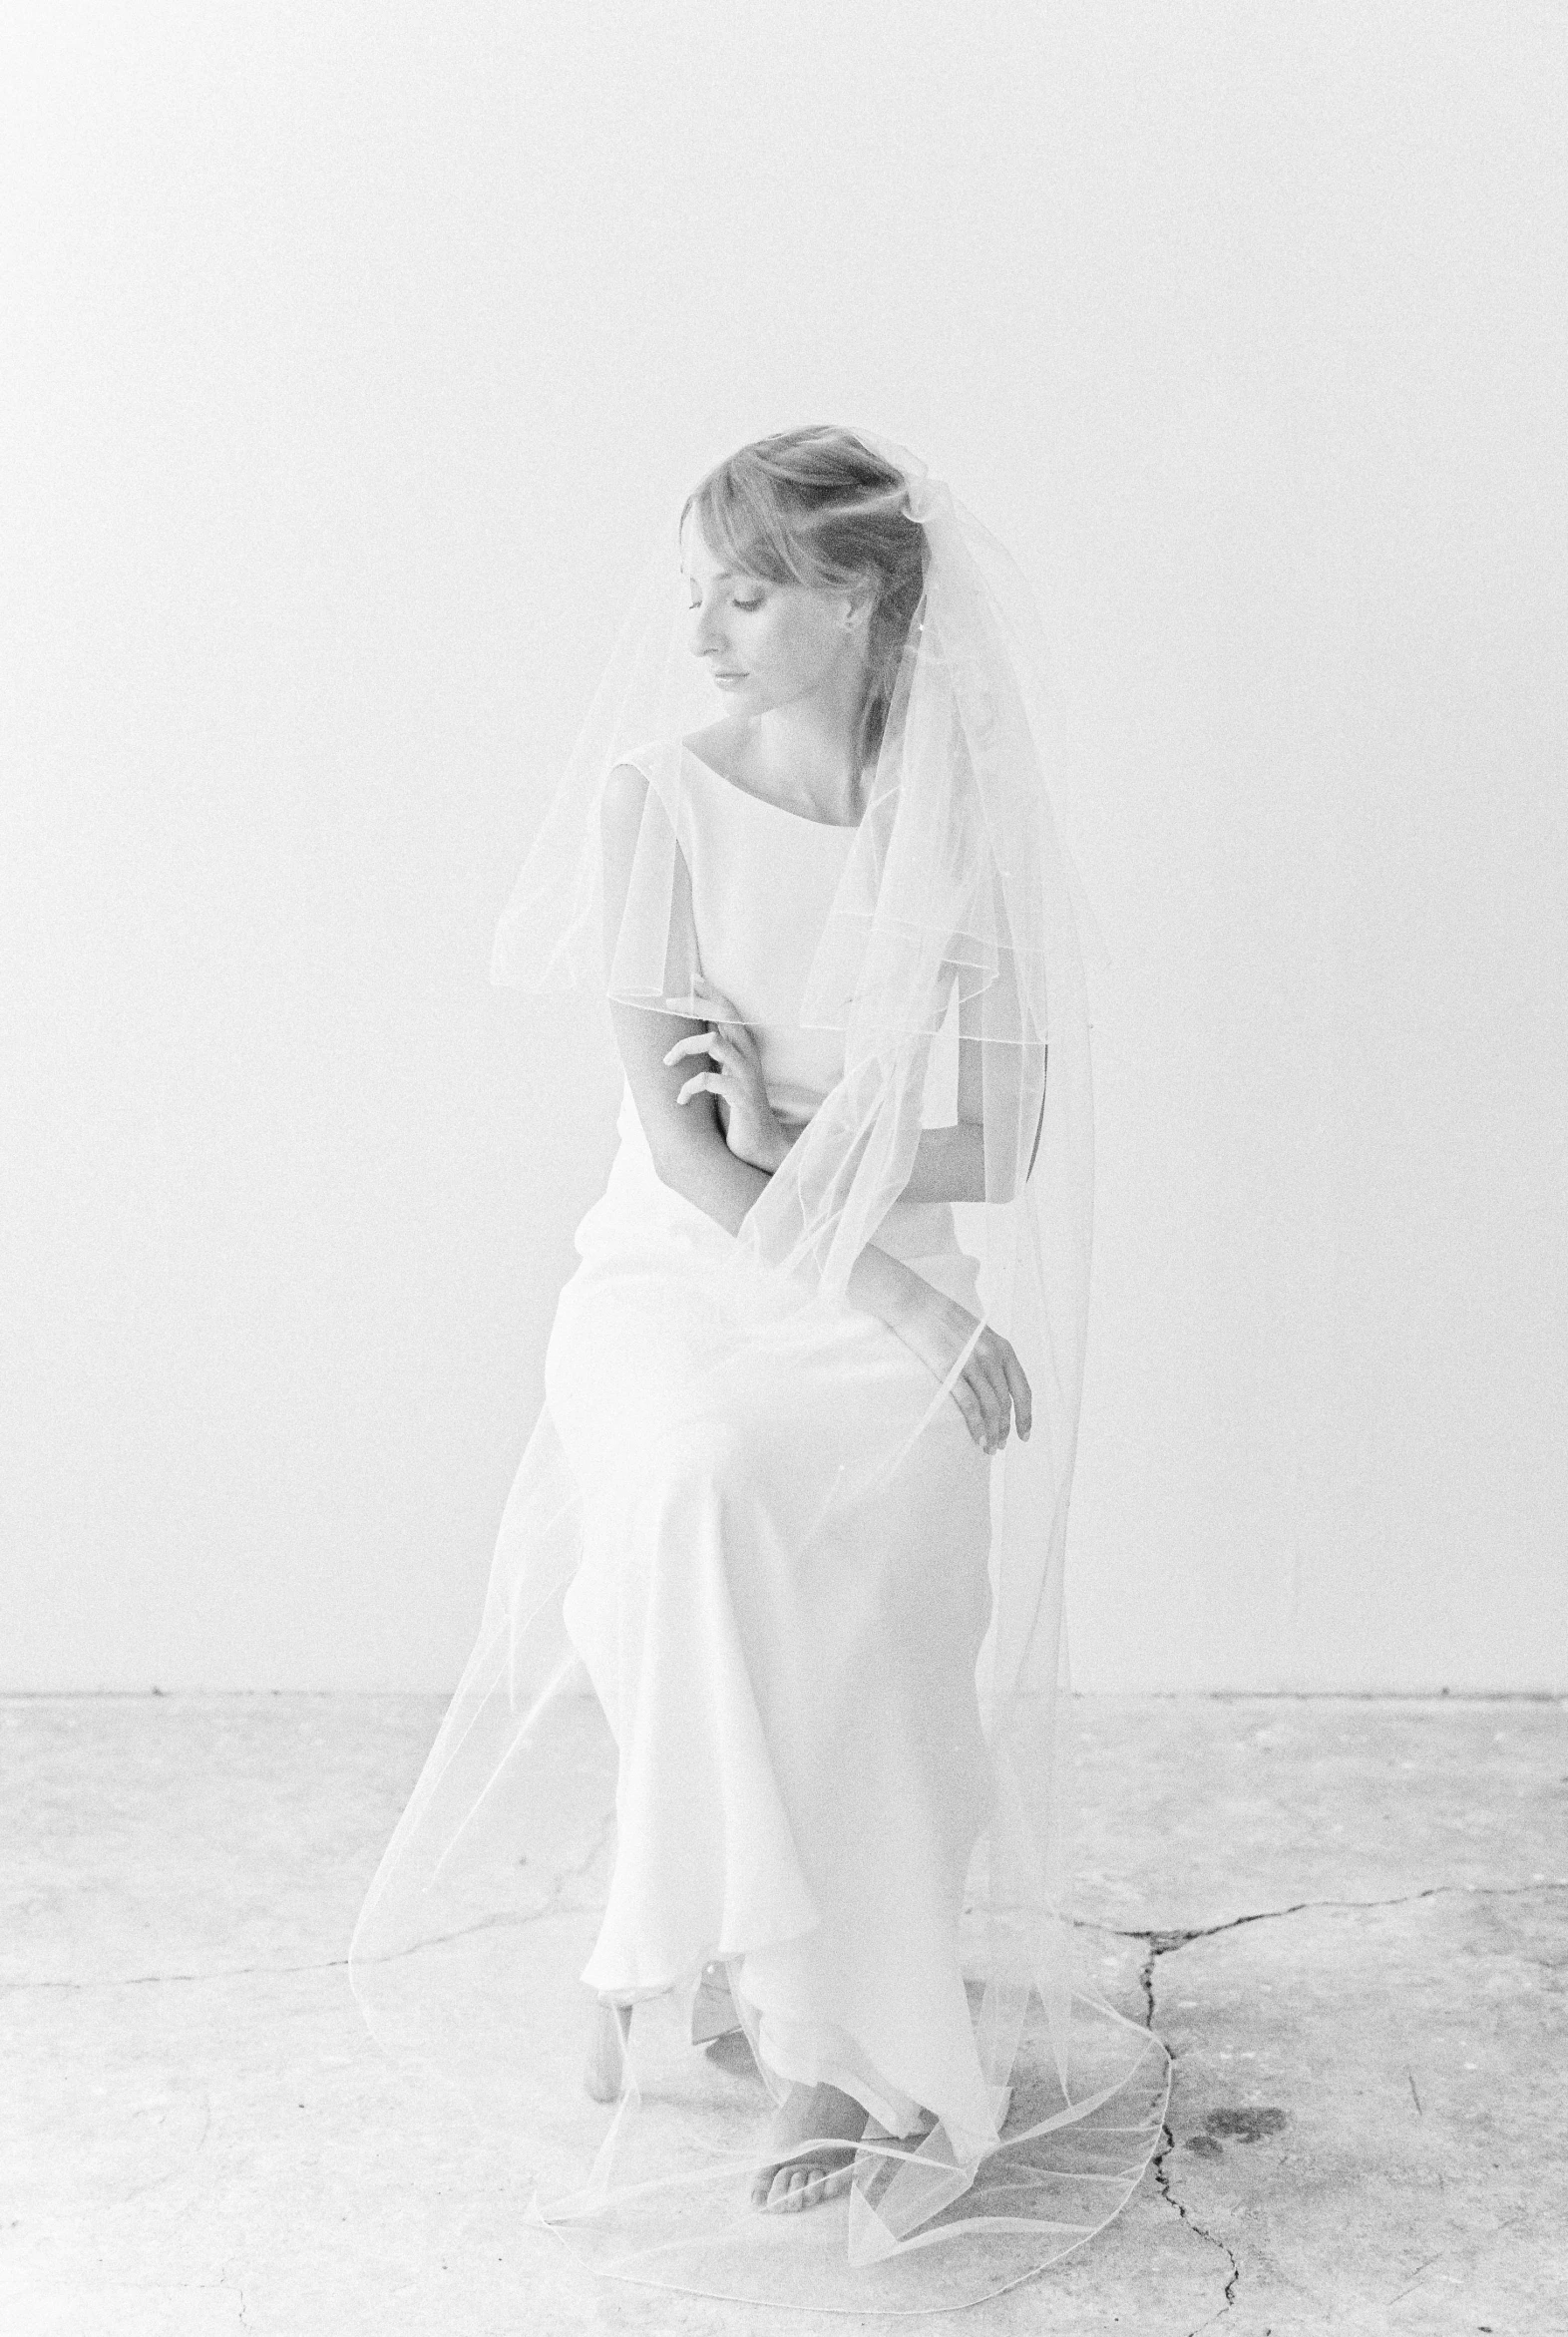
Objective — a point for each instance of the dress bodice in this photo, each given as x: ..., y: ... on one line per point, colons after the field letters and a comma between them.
x: 762, y: 882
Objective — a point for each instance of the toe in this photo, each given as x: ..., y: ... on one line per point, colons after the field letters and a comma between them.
x: 814, y: 2187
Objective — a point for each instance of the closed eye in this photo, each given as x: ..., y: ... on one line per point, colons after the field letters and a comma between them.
x: 692, y: 607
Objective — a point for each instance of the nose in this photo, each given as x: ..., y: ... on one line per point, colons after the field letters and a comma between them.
x: 707, y: 631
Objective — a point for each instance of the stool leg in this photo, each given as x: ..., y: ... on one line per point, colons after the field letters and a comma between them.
x: 609, y: 2030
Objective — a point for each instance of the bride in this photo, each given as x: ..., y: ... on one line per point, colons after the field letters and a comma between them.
x: 766, y: 1703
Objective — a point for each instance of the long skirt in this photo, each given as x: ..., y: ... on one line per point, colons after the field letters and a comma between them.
x: 768, y: 1677
x: 789, y: 1673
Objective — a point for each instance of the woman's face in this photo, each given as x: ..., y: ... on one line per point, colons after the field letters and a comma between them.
x: 768, y: 645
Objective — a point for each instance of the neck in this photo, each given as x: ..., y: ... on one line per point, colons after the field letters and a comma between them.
x: 806, y: 751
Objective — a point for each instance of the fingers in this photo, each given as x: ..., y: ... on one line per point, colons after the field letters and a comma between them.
x: 969, y: 1406
x: 724, y: 1009
x: 709, y: 1082
x: 993, y: 1407
x: 727, y: 1048
x: 701, y: 1043
x: 1000, y: 1390
x: 976, y: 1394
x: 1018, y: 1386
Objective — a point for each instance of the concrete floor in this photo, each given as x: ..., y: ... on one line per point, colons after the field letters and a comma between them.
x: 1349, y: 1918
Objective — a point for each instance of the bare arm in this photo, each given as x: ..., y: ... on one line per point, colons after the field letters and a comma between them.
x: 686, y: 1140
x: 691, y: 1155
x: 687, y: 1144
x: 949, y: 1163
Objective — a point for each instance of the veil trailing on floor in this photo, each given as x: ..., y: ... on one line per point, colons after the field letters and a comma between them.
x: 952, y: 939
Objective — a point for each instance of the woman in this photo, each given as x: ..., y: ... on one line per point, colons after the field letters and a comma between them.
x: 796, y: 1503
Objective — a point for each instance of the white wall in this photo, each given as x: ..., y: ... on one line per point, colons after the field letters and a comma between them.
x: 351, y: 357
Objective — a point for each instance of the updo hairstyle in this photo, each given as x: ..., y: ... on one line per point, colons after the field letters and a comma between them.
x: 814, y: 507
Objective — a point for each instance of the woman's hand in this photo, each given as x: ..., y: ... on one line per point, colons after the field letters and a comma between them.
x: 745, y: 1114
x: 992, y: 1390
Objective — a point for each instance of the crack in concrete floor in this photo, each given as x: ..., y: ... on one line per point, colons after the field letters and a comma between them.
x: 1258, y: 2233
x: 1166, y: 1942
x: 1158, y: 1942
x: 1163, y: 1941
x: 550, y: 1906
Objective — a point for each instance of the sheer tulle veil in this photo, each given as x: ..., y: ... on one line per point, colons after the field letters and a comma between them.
x: 957, y: 914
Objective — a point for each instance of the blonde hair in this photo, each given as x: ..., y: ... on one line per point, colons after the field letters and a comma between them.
x: 815, y: 507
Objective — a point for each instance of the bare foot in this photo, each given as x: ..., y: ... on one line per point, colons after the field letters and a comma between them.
x: 814, y: 2134
x: 609, y: 2026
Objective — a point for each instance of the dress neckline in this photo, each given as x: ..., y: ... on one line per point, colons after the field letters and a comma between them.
x: 801, y: 819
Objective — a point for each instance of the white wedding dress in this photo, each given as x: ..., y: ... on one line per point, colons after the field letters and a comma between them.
x: 767, y: 1676
x: 801, y: 1771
